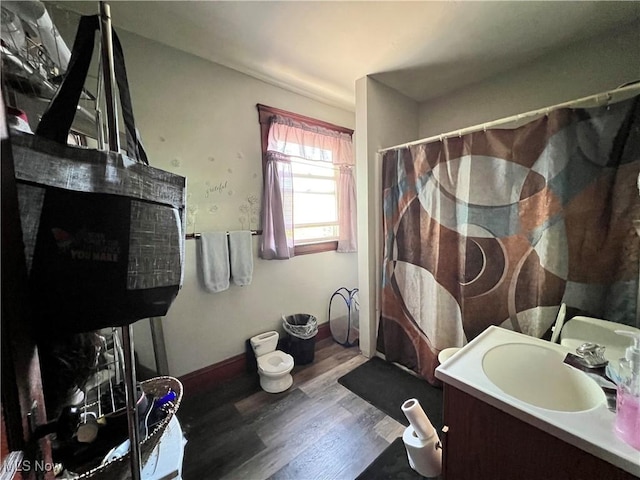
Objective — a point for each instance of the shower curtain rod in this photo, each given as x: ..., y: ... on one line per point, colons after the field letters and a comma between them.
x: 608, y: 96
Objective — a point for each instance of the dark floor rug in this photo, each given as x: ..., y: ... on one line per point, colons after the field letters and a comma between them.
x: 386, y: 387
x: 392, y: 464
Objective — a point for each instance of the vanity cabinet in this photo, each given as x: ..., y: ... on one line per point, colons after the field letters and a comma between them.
x: 483, y: 442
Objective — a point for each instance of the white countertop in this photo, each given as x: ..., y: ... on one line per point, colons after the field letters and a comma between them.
x: 590, y: 430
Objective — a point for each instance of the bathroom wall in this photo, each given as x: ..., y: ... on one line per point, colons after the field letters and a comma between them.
x: 383, y: 117
x: 199, y: 119
x: 585, y: 68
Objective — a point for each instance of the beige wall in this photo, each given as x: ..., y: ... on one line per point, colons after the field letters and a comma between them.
x: 586, y: 68
x: 384, y: 117
x: 199, y: 119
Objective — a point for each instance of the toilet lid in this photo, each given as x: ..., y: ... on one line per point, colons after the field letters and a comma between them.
x: 275, y: 362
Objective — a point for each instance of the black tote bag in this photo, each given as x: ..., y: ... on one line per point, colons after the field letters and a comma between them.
x: 103, y: 231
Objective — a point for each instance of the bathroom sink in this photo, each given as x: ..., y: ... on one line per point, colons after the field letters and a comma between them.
x: 537, y: 375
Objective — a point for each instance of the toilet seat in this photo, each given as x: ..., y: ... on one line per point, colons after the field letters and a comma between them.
x: 275, y: 362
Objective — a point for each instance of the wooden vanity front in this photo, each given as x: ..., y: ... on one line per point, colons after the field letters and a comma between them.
x: 483, y: 442
x: 526, y: 417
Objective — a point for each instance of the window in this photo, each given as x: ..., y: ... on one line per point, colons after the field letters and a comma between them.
x: 314, y: 160
x: 315, y: 213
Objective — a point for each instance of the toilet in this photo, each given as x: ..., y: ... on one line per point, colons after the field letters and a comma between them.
x: 447, y: 353
x: 274, y: 366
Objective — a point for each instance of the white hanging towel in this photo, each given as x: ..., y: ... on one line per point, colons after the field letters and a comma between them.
x: 241, y: 254
x: 214, y: 261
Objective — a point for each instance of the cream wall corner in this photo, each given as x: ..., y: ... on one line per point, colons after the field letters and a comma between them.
x: 384, y: 118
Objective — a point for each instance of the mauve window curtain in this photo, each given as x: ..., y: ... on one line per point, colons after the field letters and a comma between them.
x: 277, y: 209
x: 298, y: 140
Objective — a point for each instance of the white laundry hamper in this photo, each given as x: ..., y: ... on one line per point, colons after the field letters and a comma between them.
x: 344, y: 313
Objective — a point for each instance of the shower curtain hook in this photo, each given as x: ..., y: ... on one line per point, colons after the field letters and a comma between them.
x: 609, y: 98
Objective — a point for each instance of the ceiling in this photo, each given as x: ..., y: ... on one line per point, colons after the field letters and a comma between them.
x: 423, y: 49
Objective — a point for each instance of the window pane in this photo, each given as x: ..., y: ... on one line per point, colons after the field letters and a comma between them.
x: 314, y: 185
x: 315, y: 234
x: 304, y: 151
x: 316, y: 169
x: 314, y: 208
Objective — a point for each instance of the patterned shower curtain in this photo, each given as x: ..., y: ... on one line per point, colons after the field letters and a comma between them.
x: 499, y: 227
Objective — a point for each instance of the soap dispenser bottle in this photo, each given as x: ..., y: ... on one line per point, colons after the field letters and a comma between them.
x: 627, y: 423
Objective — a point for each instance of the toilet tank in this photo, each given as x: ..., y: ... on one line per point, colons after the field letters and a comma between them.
x: 264, y: 343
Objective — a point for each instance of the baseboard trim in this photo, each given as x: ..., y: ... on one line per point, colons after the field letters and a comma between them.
x: 227, y: 369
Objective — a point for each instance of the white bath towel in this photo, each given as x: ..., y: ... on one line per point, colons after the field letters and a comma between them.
x: 214, y: 261
x: 241, y: 254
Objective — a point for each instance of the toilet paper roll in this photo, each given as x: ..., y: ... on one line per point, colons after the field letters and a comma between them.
x: 425, y: 456
x: 418, y: 419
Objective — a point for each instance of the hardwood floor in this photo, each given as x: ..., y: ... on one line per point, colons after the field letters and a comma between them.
x: 315, y: 430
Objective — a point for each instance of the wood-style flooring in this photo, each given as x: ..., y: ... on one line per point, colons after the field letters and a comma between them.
x: 315, y: 430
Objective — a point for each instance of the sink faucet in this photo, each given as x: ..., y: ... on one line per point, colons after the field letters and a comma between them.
x: 592, y: 354
x: 590, y: 359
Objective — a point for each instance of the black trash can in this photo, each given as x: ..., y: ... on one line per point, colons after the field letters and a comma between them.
x: 301, y: 329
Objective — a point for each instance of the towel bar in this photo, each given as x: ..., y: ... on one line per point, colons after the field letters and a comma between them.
x: 190, y: 236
